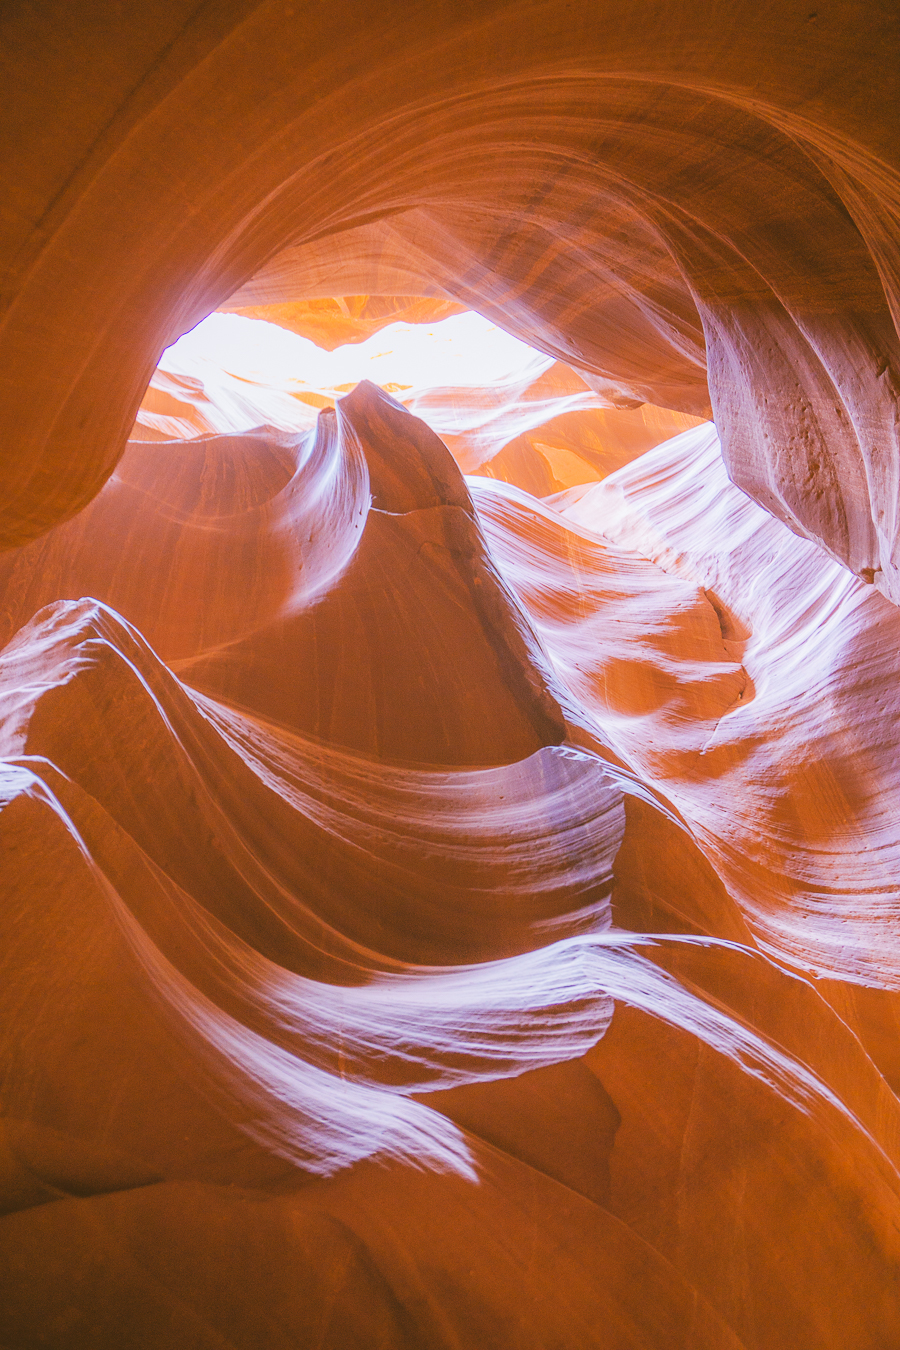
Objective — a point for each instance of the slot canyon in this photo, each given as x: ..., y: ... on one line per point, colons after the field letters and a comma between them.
x: 450, y: 675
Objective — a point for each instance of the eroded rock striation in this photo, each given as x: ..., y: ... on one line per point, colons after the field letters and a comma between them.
x: 449, y: 852
x: 388, y: 901
x: 693, y: 206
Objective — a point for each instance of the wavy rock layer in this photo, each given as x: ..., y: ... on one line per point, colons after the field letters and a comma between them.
x: 441, y: 910
x: 732, y: 667
x: 693, y: 205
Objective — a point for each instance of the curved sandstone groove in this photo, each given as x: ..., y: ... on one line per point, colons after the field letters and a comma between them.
x: 368, y: 994
x: 445, y: 913
x: 731, y: 665
x: 695, y: 207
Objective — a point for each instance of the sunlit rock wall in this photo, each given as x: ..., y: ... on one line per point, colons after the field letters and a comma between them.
x: 446, y: 911
x: 452, y: 871
x: 661, y: 196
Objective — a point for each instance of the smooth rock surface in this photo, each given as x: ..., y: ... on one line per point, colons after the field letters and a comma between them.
x: 401, y: 951
x: 693, y: 205
x: 445, y: 912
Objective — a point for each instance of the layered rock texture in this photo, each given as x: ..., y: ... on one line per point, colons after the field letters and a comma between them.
x: 691, y: 204
x: 449, y: 841
x: 403, y: 874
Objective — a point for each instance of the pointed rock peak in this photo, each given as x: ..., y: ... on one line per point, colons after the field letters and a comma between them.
x: 410, y: 468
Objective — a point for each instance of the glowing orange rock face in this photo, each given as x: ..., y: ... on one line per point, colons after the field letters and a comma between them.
x: 691, y: 223
x: 436, y: 912
x: 352, y: 318
x: 333, y: 951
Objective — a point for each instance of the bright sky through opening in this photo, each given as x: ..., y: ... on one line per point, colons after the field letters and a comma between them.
x: 464, y: 350
x: 468, y: 379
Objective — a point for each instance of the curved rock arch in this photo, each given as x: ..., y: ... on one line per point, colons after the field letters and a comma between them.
x: 316, y: 816
x: 252, y: 128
